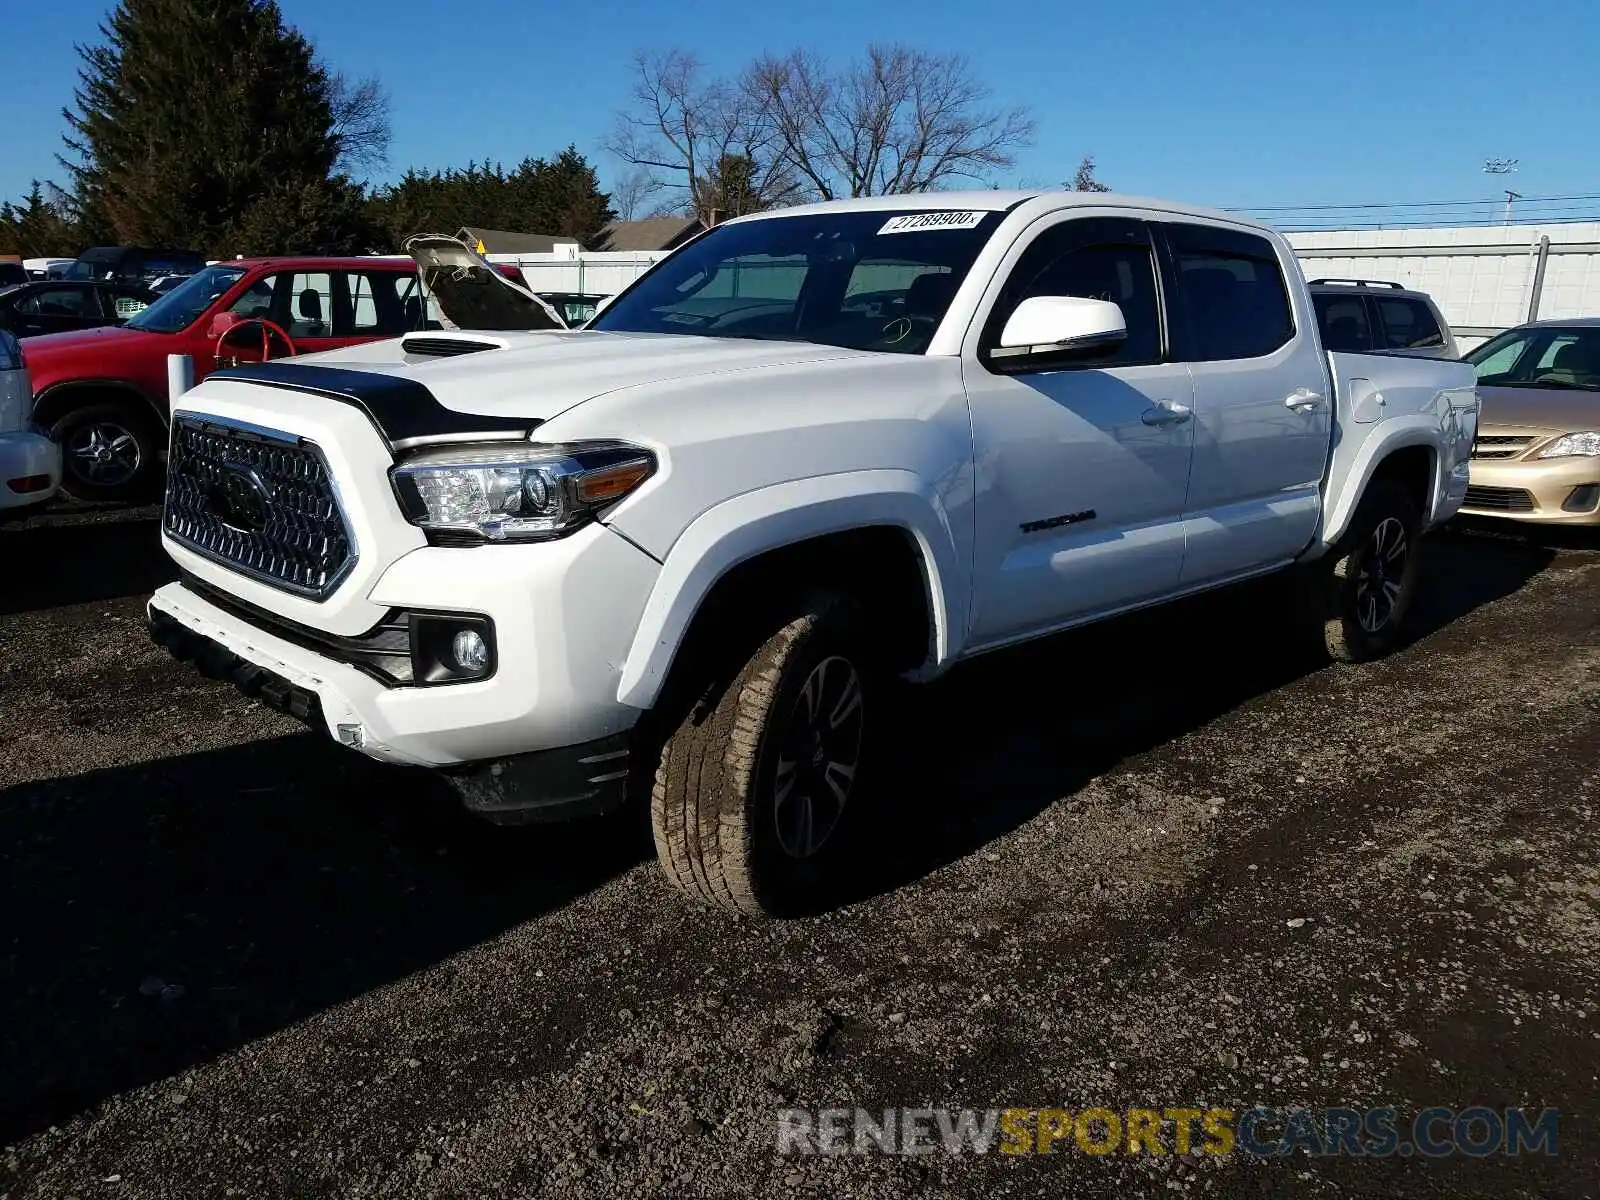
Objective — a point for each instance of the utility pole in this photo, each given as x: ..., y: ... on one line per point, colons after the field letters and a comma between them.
x: 1510, y: 196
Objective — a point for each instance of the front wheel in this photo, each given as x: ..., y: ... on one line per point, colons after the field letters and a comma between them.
x: 109, y: 451
x: 752, y: 797
x: 1363, y: 589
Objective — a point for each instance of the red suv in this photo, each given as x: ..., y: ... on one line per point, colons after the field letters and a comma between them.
x: 102, y: 393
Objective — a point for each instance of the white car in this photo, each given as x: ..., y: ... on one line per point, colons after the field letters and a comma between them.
x: 46, y: 268
x: 810, y: 451
x: 30, y: 463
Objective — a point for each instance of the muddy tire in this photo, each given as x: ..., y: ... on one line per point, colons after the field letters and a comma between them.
x: 753, y: 792
x: 1360, y: 592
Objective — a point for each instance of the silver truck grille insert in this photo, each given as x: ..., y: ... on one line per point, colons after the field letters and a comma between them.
x: 259, y: 501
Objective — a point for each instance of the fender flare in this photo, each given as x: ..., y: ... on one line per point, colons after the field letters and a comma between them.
x: 57, y: 391
x: 1397, y: 433
x: 769, y: 518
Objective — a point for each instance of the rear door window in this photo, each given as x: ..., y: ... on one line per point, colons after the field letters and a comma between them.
x: 310, y: 305
x: 379, y: 305
x: 1232, y: 294
x: 416, y: 310
x: 1408, y: 324
x: 1344, y: 323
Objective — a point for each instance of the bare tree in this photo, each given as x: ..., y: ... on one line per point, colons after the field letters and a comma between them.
x: 630, y: 194
x: 1083, y: 180
x: 360, y: 124
x: 898, y: 120
x: 679, y: 126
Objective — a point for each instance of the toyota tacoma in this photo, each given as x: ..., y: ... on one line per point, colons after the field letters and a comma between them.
x: 695, y: 548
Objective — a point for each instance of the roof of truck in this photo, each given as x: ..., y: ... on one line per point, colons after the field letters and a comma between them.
x: 1001, y: 201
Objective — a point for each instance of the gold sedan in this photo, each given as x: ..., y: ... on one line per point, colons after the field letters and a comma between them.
x: 1537, y: 457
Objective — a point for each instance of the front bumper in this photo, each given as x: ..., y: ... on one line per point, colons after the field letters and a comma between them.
x: 30, y: 469
x: 564, y: 615
x: 1555, y: 491
x: 548, y: 785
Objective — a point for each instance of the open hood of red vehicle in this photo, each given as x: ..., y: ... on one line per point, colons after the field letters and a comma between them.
x: 470, y: 293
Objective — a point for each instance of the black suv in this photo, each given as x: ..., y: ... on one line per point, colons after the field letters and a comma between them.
x: 134, y: 264
x: 1364, y: 316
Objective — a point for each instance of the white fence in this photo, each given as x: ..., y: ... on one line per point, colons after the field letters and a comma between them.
x: 1484, y: 278
x: 587, y: 272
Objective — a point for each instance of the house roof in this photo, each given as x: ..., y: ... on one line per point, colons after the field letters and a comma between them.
x: 500, y: 241
x: 652, y: 233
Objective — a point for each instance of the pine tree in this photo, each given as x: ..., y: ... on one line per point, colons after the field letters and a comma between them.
x: 560, y: 197
x: 195, y: 118
x: 563, y: 197
x: 729, y: 190
x: 39, y: 227
x: 1084, y: 179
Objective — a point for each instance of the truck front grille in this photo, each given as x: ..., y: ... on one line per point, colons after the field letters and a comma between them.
x: 258, y: 501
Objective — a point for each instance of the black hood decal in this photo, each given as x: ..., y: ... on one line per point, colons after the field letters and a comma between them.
x: 402, y: 411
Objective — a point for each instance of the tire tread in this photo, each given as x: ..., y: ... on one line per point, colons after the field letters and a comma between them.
x: 699, y: 813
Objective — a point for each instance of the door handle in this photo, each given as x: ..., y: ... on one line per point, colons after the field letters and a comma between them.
x: 1303, y: 400
x: 1166, y: 412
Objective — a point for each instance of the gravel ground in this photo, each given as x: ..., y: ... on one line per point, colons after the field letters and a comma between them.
x: 239, y: 961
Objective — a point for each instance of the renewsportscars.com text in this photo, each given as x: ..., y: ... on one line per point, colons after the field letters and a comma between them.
x: 1477, y: 1131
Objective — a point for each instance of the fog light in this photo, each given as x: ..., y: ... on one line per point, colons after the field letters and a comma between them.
x: 451, y: 648
x: 1583, y: 498
x: 470, y: 651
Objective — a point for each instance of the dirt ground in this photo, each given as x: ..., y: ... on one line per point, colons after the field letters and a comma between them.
x: 1164, y: 863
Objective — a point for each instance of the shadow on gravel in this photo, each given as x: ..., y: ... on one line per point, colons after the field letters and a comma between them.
x: 1580, y: 538
x: 48, y: 563
x: 157, y: 916
x: 999, y: 740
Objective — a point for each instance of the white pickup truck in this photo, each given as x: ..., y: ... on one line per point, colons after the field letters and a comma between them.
x: 692, y: 545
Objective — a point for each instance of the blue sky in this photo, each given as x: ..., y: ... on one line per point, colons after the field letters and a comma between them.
x: 1230, y: 102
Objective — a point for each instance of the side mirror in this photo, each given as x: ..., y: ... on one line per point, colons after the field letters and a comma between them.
x: 1048, y: 325
x: 221, y: 323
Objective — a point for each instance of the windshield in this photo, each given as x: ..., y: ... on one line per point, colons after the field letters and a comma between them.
x: 182, y: 306
x: 1542, y: 357
x: 866, y: 280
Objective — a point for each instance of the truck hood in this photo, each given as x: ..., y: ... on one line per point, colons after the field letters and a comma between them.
x: 1538, y: 409
x: 539, y: 375
x: 473, y: 295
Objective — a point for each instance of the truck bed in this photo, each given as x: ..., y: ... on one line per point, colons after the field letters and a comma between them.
x: 1386, y: 401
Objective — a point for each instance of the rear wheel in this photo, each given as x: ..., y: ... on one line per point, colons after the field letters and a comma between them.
x: 1363, y: 589
x: 109, y: 451
x: 753, y: 795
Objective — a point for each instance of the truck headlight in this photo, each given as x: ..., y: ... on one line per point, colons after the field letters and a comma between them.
x: 516, y: 493
x: 1570, y: 445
